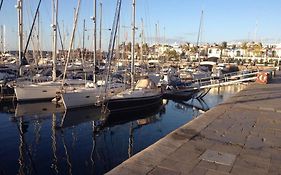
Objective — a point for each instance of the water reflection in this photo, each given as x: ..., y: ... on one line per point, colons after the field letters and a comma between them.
x: 78, y: 116
x: 140, y: 113
x: 185, y: 105
x: 45, y: 139
x: 37, y: 109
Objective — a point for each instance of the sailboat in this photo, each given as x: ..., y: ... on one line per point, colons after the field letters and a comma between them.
x: 37, y: 91
x: 144, y: 95
x: 88, y: 96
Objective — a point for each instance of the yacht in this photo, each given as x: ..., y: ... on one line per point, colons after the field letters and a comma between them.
x: 29, y: 91
x: 144, y: 95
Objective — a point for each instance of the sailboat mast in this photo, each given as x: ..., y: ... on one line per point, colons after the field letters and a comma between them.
x: 118, y: 42
x: 83, y: 43
x: 198, y: 36
x: 1, y: 38
x: 142, y: 40
x: 54, y: 26
x: 71, y: 41
x: 20, y: 34
x: 95, y: 40
x: 133, y: 43
x: 100, y: 30
x: 4, y: 39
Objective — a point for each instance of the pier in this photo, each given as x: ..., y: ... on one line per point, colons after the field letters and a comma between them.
x: 240, y: 136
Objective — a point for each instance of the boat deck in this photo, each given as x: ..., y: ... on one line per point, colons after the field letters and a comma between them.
x: 240, y: 136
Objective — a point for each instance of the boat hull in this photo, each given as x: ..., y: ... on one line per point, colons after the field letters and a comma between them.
x: 36, y: 93
x: 132, y: 104
x: 87, y: 97
x: 180, y: 94
x: 80, y: 99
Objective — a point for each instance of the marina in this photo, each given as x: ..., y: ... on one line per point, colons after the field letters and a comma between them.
x: 139, y: 88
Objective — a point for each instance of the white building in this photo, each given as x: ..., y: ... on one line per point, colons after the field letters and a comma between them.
x: 214, y: 51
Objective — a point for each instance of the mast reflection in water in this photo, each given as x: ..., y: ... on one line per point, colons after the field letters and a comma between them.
x: 42, y: 138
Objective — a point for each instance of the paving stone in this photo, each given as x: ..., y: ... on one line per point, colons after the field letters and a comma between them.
x: 161, y: 171
x: 254, y: 142
x: 137, y: 167
x: 186, y: 154
x: 245, y: 160
x: 214, y: 172
x: 274, y: 169
x: 197, y: 171
x: 149, y: 157
x: 238, y: 170
x: 224, y: 168
x: 261, y: 153
x: 182, y: 166
x: 207, y: 165
x: 227, y: 148
x: 201, y: 144
x: 120, y: 170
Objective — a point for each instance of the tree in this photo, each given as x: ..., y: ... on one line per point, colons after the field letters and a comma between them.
x: 170, y: 53
x: 244, y: 46
x: 222, y: 47
x: 129, y: 46
x: 257, y: 49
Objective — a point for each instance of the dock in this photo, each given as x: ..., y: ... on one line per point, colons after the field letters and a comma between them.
x: 240, y: 136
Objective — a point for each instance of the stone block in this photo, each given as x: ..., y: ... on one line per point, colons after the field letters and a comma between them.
x: 161, y: 170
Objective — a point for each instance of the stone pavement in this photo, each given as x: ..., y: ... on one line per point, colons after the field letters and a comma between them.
x: 241, y: 136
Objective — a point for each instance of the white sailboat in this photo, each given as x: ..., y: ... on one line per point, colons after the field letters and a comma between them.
x: 38, y: 91
x: 26, y: 92
x: 144, y: 94
x: 89, y: 96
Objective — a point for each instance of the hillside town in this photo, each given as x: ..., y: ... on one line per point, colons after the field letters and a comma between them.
x: 241, y: 52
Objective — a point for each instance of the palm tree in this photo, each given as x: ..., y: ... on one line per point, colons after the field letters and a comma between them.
x: 257, y: 49
x: 244, y: 46
x: 222, y: 47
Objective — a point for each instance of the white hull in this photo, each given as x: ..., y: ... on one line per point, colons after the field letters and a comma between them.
x: 81, y: 98
x: 42, y: 91
x: 32, y: 93
x: 87, y: 96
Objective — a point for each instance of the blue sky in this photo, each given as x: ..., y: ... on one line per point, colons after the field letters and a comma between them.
x: 223, y: 20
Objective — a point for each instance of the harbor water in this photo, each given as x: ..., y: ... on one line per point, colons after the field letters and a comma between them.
x: 42, y: 138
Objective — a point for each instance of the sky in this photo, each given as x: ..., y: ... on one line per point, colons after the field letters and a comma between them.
x: 177, y: 20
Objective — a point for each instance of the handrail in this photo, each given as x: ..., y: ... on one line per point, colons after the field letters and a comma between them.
x: 226, y: 79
